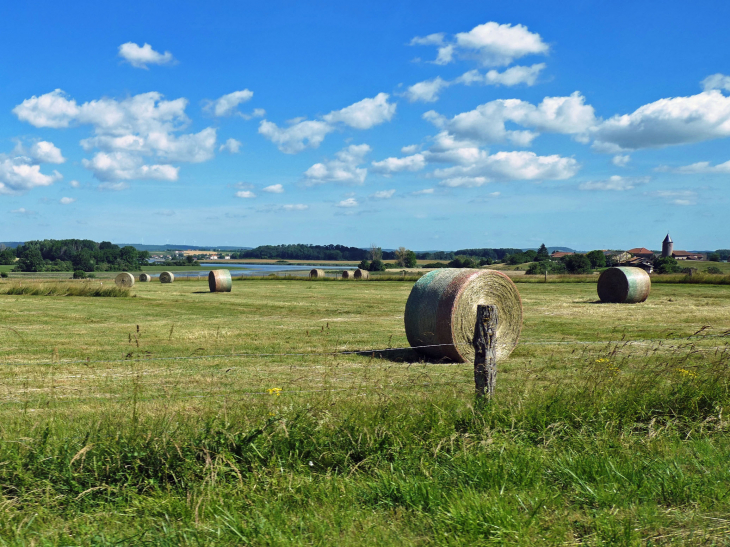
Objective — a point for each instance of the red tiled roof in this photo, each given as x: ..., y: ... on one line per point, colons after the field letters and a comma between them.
x: 640, y: 251
x: 560, y: 254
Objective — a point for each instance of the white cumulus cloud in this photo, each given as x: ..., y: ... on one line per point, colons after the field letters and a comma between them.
x: 621, y: 160
x: 676, y: 197
x: 416, y: 162
x: 464, y: 182
x: 227, y: 105
x: 296, y: 137
x: 615, y: 182
x: 140, y: 57
x: 486, y: 123
x: 364, y: 114
x: 231, y: 145
x: 383, y: 194
x: 492, y: 44
x: 349, y: 202
x: 20, y: 174
x: 716, y: 81
x: 67, y: 201
x: 245, y: 194
x: 666, y: 122
x: 302, y: 133
x: 295, y: 207
x: 704, y: 167
x: 274, y: 189
x: 517, y: 165
x: 344, y: 169
x: 428, y: 91
x: 140, y: 134
x: 42, y: 152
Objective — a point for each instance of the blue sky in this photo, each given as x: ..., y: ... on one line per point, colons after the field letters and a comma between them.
x: 425, y: 124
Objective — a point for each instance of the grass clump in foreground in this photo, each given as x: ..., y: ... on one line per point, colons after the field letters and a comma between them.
x: 64, y: 289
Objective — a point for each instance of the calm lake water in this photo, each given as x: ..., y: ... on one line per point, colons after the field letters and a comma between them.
x: 242, y: 270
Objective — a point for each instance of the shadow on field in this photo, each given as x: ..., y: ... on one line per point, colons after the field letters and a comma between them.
x: 403, y: 356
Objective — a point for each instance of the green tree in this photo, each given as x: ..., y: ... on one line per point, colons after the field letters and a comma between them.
x: 713, y: 257
x: 411, y: 260
x: 597, y: 258
x: 577, y: 264
x: 31, y: 260
x: 542, y: 253
x: 666, y: 264
x: 377, y: 266
x: 375, y: 253
x: 7, y: 257
x: 364, y: 265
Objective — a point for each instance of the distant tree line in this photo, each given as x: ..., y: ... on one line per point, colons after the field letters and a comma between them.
x: 306, y: 252
x: 66, y: 255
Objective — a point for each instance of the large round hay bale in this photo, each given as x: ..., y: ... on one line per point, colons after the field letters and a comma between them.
x: 167, y: 277
x: 316, y: 273
x: 361, y: 274
x: 442, y: 311
x: 624, y: 285
x: 145, y: 278
x: 124, y: 280
x: 219, y: 281
x: 347, y: 274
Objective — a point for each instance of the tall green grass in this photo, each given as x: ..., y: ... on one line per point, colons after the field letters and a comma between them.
x: 618, y: 456
x: 65, y: 289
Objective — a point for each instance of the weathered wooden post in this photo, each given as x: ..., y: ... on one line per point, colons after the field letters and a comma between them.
x: 485, y: 350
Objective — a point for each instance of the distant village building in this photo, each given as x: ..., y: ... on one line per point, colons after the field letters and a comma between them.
x: 684, y: 255
x: 667, y: 246
x: 559, y: 254
x: 642, y: 252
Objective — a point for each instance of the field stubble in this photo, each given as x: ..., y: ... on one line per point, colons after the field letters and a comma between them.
x: 141, y: 419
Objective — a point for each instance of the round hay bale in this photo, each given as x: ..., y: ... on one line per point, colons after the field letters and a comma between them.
x: 145, y: 278
x: 167, y: 277
x: 124, y: 280
x: 361, y: 274
x: 219, y: 281
x: 347, y: 274
x: 442, y: 309
x: 316, y: 273
x: 624, y: 285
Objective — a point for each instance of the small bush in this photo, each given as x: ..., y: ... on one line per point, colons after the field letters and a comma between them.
x: 713, y: 270
x: 79, y: 274
x: 3, y: 274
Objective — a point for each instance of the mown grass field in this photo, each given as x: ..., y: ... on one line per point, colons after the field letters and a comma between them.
x: 155, y: 419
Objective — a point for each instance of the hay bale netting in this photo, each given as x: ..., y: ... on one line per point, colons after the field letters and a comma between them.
x: 442, y: 309
x: 624, y: 285
x: 316, y: 273
x: 145, y: 278
x: 167, y: 277
x: 124, y: 280
x: 361, y: 274
x: 219, y: 281
x: 347, y: 274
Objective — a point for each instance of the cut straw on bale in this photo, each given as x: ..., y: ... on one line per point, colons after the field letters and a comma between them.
x: 346, y: 274
x: 219, y: 281
x: 361, y: 274
x: 441, y: 311
x: 124, y: 280
x: 167, y: 277
x: 624, y: 285
x: 316, y: 273
x: 145, y: 278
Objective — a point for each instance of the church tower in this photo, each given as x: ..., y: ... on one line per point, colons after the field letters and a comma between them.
x: 667, y: 246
